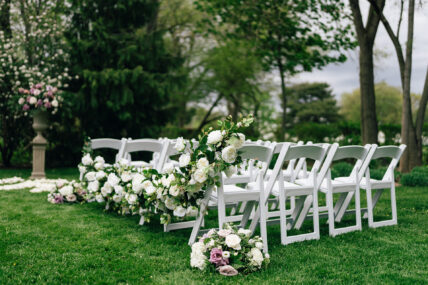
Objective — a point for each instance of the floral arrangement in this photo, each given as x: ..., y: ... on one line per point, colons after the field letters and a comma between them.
x: 67, y: 192
x: 177, y: 192
x: 230, y: 251
x: 39, y: 97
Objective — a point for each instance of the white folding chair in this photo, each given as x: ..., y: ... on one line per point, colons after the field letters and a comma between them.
x: 158, y: 147
x: 345, y: 186
x: 229, y: 193
x: 107, y: 143
x: 308, y: 194
x: 387, y: 182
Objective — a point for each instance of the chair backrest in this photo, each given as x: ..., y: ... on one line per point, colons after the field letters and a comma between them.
x: 360, y: 153
x: 157, y: 147
x: 108, y: 143
x: 392, y: 152
x: 314, y: 152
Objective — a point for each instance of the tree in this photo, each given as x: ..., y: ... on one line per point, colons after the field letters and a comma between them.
x: 125, y: 72
x: 366, y: 36
x: 411, y: 133
x: 388, y: 102
x: 289, y: 36
x: 312, y: 102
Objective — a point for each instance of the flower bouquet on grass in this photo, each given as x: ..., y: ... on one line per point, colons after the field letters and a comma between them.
x: 230, y: 251
x: 67, y: 192
x: 40, y: 97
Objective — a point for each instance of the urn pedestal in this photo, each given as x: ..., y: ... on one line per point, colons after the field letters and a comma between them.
x: 40, y: 124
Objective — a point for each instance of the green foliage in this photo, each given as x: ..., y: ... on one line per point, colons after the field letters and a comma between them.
x: 125, y: 72
x: 312, y: 102
x: 341, y: 169
x: 315, y: 132
x: 417, y: 177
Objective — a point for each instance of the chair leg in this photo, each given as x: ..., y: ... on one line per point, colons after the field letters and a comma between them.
x: 246, y: 213
x: 307, y: 206
x: 263, y: 230
x: 358, y: 208
x: 393, y: 203
x: 200, y: 219
x: 330, y: 213
x: 342, y: 210
x: 297, y: 210
x: 316, y: 217
x: 282, y: 217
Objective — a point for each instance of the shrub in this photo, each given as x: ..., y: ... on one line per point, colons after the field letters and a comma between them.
x: 418, y: 177
x: 341, y: 169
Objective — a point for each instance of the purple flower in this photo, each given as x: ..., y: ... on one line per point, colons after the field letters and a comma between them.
x: 58, y: 199
x: 25, y: 107
x: 32, y: 90
x: 48, y: 105
x: 28, y: 98
x: 38, y: 86
x: 39, y: 103
x: 216, y: 257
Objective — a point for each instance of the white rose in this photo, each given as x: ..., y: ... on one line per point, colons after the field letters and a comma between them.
x: 179, y: 211
x: 165, y: 181
x: 132, y: 199
x: 36, y: 91
x: 245, y: 232
x: 180, y: 144
x: 137, y: 184
x: 199, y: 247
x: 202, y: 163
x: 230, y: 171
x: 87, y: 160
x: 100, y: 175
x: 21, y: 101
x: 99, y: 198
x: 184, y: 160
x: 226, y: 254
x: 112, y: 179
x: 126, y: 176
x: 91, y: 176
x: 233, y: 241
x: 99, y: 159
x: 174, y: 191
x: 229, y: 154
x: 66, y: 190
x: 198, y: 261
x: 106, y: 189
x: 82, y: 169
x: 192, y: 211
x: 170, y: 204
x: 71, y: 198
x: 236, y: 140
x: 33, y: 100
x: 99, y: 165
x: 117, y: 198
x: 93, y: 186
x: 256, y: 257
x: 200, y: 176
x: 147, y: 184
x: 259, y: 245
x: 214, y: 137
x: 168, y: 168
x: 54, y: 103
x: 118, y: 189
x: 150, y: 190
x: 224, y: 233
x: 123, y: 162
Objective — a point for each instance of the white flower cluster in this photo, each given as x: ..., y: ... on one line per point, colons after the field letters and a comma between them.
x: 227, y: 247
x: 66, y: 191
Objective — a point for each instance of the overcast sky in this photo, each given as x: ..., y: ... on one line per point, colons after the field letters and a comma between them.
x: 344, y: 77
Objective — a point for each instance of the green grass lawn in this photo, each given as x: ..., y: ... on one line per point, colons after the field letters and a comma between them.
x: 82, y: 244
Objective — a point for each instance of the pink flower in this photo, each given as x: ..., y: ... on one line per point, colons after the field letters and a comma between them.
x: 28, y: 98
x: 48, y: 105
x: 38, y: 86
x: 216, y: 257
x: 25, y: 107
x: 21, y: 90
x: 58, y: 199
x: 39, y: 103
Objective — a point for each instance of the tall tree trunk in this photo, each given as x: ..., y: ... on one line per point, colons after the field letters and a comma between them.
x: 5, y: 18
x: 420, y: 117
x: 408, y: 132
x: 281, y: 133
x: 369, y: 127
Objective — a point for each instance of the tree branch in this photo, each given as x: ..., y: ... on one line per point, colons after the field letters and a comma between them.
x: 393, y: 37
x: 400, y: 19
x: 358, y: 20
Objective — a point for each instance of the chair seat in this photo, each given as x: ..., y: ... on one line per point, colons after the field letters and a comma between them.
x: 291, y: 189
x: 338, y: 186
x: 140, y: 164
x: 233, y: 193
x: 376, y: 184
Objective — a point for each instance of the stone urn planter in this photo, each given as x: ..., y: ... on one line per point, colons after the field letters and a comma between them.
x: 40, y: 124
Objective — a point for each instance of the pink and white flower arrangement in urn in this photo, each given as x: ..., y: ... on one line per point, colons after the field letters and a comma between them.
x: 230, y: 251
x: 40, y: 97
